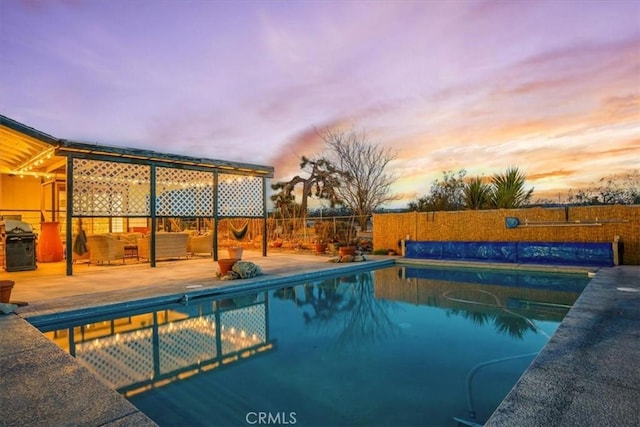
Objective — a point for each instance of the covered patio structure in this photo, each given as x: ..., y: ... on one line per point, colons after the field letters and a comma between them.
x: 80, y: 190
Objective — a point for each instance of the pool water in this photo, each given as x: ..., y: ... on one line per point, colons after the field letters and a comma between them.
x: 399, y: 346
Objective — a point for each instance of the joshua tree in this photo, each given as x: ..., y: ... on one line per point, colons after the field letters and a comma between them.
x: 322, y: 182
x: 508, y: 189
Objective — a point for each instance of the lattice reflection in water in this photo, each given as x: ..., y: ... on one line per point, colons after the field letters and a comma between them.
x: 240, y: 196
x: 110, y: 188
x: 129, y: 359
x: 121, y: 359
x: 242, y: 328
x: 182, y: 192
x: 187, y: 342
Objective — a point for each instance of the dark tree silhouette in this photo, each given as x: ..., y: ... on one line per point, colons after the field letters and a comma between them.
x: 322, y: 181
x: 365, y: 184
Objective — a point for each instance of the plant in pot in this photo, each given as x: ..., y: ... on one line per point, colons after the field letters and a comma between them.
x: 320, y: 246
x: 235, y: 252
x: 323, y: 235
x: 349, y: 248
x: 226, y: 264
x: 5, y: 290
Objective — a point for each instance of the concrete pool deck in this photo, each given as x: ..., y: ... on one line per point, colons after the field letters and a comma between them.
x: 588, y: 374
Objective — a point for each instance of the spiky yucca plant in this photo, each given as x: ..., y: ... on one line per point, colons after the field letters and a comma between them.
x: 477, y: 194
x: 508, y: 190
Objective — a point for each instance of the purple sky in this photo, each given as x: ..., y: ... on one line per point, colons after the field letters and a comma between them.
x: 552, y: 87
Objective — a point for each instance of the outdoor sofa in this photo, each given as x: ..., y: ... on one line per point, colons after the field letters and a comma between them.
x: 168, y: 245
x: 201, y: 244
x: 104, y: 248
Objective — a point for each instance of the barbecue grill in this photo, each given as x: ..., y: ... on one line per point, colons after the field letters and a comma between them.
x: 20, y: 246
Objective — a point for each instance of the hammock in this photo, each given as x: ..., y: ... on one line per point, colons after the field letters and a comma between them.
x: 239, y: 233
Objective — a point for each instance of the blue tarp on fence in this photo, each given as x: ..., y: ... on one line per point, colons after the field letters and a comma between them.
x: 555, y: 253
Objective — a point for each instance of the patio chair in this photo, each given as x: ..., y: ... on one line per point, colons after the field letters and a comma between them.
x: 104, y: 248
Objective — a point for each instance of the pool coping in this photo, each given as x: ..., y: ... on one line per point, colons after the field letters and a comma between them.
x: 42, y: 317
x: 49, y: 387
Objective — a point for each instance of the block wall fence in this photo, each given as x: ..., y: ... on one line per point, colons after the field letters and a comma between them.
x: 562, y: 224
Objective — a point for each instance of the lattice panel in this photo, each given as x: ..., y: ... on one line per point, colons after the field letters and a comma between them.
x: 187, y: 342
x: 110, y: 188
x: 243, y: 327
x: 240, y: 196
x: 182, y: 192
x: 120, y: 360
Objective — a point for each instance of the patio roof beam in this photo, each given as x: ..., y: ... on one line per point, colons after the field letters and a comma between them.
x: 92, y: 151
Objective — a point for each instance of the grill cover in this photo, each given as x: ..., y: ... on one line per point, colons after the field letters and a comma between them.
x: 15, y: 227
x: 20, y: 253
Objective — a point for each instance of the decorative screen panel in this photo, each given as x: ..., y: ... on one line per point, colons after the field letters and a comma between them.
x: 187, y: 342
x: 182, y: 192
x: 243, y: 328
x: 240, y: 196
x: 110, y: 188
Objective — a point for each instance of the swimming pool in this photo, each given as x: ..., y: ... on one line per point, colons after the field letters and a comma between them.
x: 394, y: 346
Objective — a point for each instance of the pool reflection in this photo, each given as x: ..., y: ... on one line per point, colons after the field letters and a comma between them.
x: 141, y: 351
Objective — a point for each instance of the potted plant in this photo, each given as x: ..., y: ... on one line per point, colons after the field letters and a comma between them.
x: 320, y: 246
x: 226, y: 264
x: 349, y: 248
x: 235, y: 252
x: 5, y: 290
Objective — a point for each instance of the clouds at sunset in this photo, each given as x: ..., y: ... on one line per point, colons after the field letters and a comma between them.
x: 550, y: 87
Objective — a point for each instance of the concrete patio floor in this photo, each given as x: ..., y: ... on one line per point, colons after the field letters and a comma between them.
x: 588, y: 374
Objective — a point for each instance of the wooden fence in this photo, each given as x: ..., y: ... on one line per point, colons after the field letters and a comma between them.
x: 563, y: 224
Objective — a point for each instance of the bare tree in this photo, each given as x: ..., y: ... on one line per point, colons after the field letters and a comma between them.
x: 362, y: 163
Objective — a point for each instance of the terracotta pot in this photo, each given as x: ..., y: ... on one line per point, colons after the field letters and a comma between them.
x: 5, y: 290
x: 347, y: 250
x: 321, y: 248
x: 49, y: 246
x: 226, y: 264
x: 235, y: 252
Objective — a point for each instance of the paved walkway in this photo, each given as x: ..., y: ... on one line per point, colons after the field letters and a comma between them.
x: 588, y: 374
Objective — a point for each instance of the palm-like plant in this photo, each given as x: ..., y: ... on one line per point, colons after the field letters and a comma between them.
x: 508, y: 189
x: 476, y: 193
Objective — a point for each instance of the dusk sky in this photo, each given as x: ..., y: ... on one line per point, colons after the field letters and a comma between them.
x: 552, y: 87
